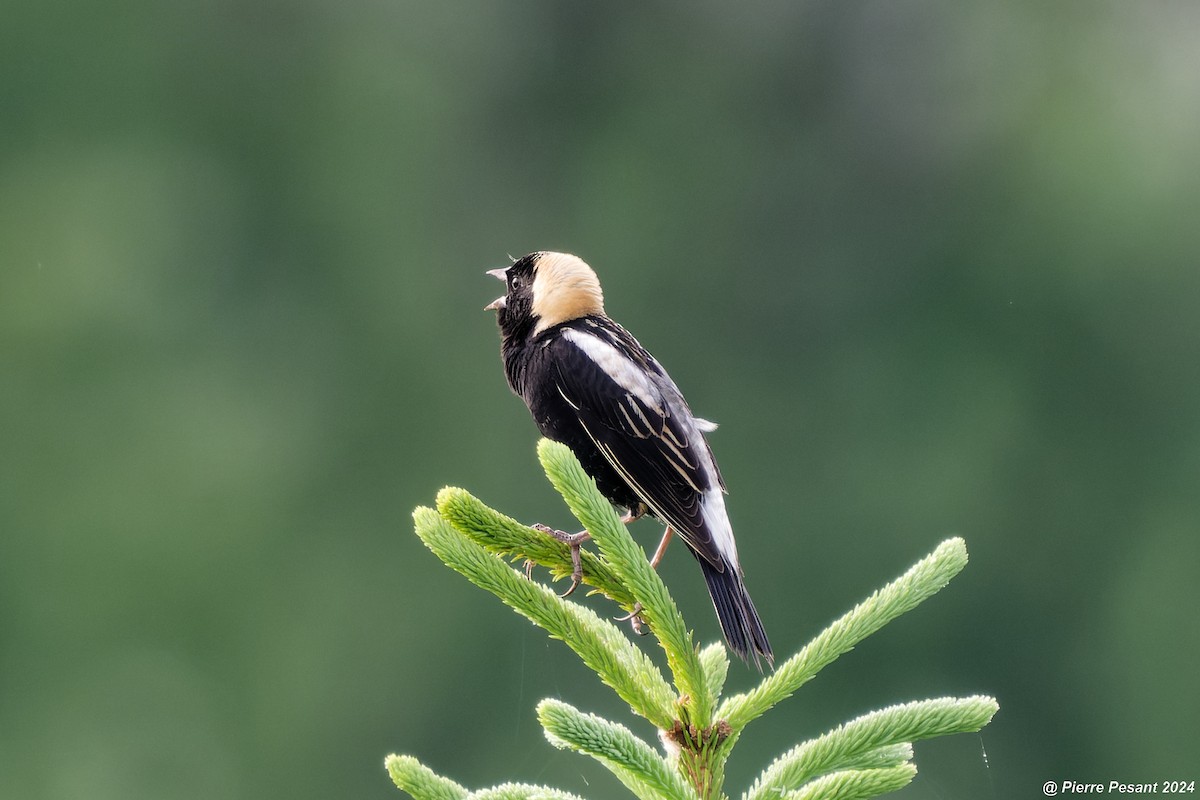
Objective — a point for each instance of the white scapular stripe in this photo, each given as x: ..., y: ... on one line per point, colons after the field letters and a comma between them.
x: 618, y: 366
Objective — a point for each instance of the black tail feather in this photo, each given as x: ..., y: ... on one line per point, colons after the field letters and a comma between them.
x: 735, y: 610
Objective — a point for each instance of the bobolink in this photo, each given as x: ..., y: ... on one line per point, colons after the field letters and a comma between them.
x: 590, y: 385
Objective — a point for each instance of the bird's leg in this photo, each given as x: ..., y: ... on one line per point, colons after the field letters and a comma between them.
x: 573, y: 541
x: 634, y: 514
x: 662, y: 547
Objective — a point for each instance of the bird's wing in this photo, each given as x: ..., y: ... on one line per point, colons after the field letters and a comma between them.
x: 635, y: 415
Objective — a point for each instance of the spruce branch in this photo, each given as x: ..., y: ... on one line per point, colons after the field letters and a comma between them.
x: 601, y: 645
x: 863, y: 758
x: 634, y: 762
x: 506, y: 537
x: 924, y: 579
x: 522, y: 791
x: 421, y: 782
x: 715, y: 661
x: 659, y: 611
x: 872, y: 740
x: 891, y: 755
x: 856, y: 784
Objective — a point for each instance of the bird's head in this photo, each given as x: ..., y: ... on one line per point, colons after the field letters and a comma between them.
x: 544, y: 289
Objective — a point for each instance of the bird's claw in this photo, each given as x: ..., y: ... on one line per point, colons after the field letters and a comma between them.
x: 573, y: 541
x: 634, y: 618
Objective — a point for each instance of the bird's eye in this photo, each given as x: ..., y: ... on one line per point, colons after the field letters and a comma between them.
x: 516, y: 282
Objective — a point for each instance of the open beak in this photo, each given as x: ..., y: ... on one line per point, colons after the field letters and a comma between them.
x: 500, y: 274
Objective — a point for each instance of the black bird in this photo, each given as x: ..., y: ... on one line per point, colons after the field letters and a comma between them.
x: 591, y: 386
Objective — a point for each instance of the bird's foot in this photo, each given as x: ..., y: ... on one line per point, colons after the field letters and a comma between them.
x: 634, y: 618
x: 573, y: 541
x: 634, y: 514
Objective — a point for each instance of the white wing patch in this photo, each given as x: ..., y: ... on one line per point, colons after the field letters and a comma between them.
x: 626, y: 374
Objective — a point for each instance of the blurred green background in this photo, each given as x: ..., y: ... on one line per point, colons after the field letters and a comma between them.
x: 933, y: 266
